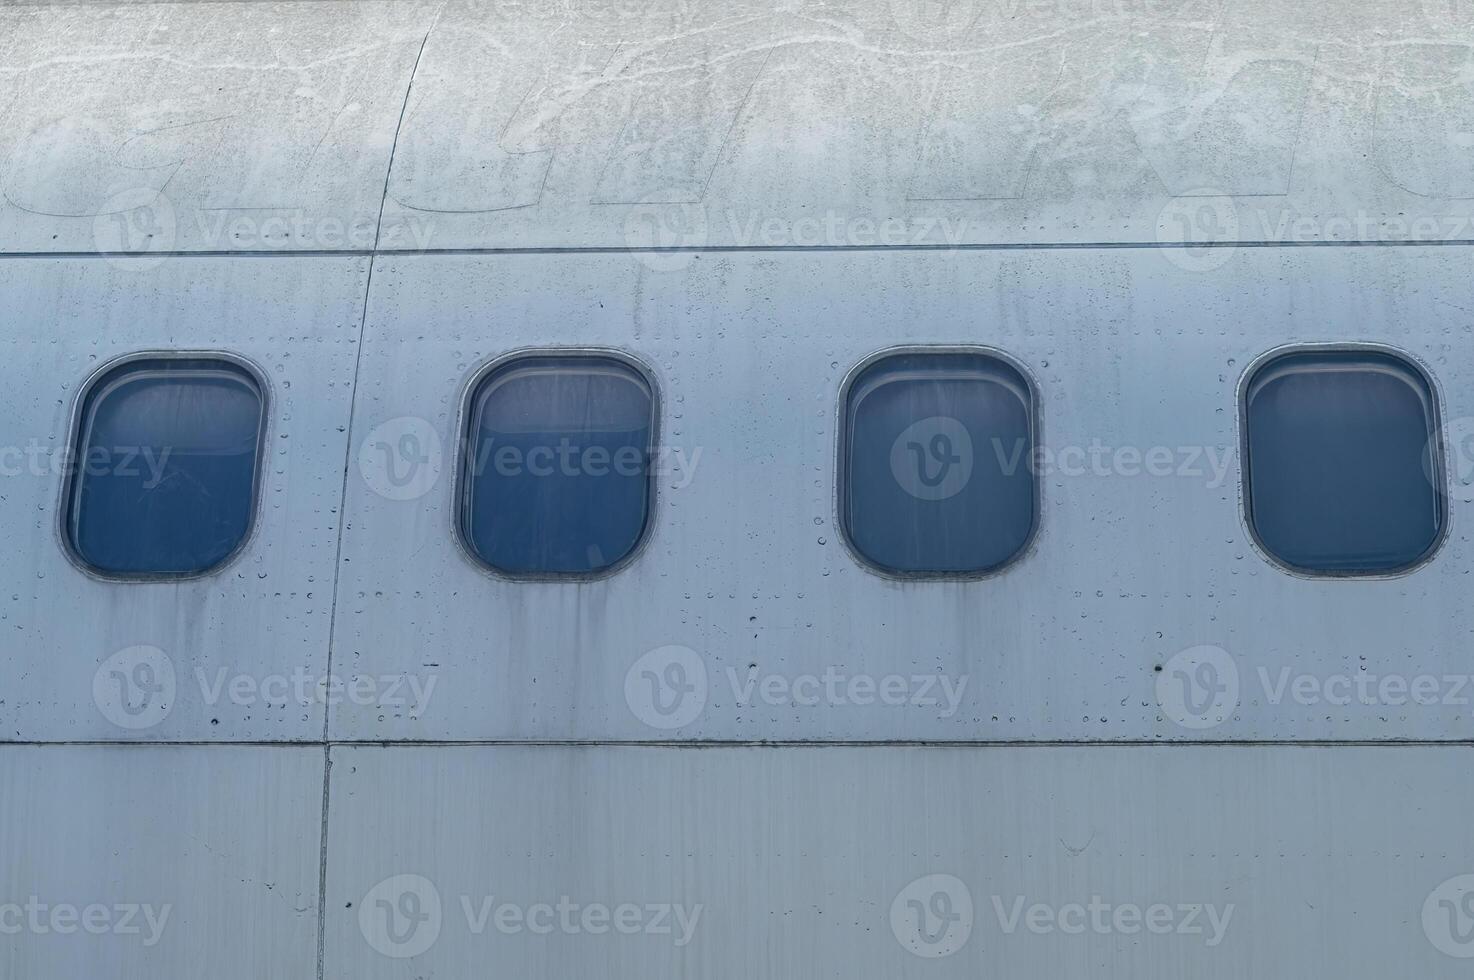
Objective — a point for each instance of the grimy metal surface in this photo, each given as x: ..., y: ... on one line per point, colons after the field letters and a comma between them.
x: 143, y: 862
x: 1150, y: 862
x: 370, y: 200
x: 206, y: 126
x: 746, y: 583
x: 215, y: 645
x: 605, y: 123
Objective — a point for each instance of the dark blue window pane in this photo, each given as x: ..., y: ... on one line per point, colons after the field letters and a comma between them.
x: 1340, y: 466
x: 559, y: 465
x: 937, y: 463
x: 164, y: 480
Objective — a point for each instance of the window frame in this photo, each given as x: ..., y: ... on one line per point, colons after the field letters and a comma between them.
x: 464, y: 454
x: 117, y: 366
x: 1438, y: 467
x: 841, y: 461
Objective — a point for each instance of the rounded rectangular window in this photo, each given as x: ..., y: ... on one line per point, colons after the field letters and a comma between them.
x: 935, y: 463
x: 1341, y: 461
x: 557, y: 478
x: 165, y: 466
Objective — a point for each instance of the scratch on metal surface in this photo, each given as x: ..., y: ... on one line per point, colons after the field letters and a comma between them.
x: 1077, y: 851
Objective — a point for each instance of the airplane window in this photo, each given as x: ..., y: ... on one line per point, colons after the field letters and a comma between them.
x: 1341, y: 465
x: 557, y: 472
x: 163, y: 479
x: 936, y: 462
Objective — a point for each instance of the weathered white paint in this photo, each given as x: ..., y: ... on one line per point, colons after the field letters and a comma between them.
x: 603, y: 123
x: 199, y: 126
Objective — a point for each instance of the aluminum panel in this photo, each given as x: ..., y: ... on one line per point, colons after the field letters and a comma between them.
x: 1151, y: 862
x: 234, y: 655
x: 599, y: 123
x: 141, y: 863
x: 203, y: 126
x: 884, y: 122
x: 767, y: 628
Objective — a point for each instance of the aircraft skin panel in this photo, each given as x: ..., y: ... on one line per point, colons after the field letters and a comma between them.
x: 230, y: 646
x: 406, y: 126
x: 163, y: 872
x: 743, y: 861
x: 1146, y: 745
x: 1142, y: 550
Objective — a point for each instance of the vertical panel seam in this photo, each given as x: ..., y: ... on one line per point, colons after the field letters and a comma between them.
x: 327, y: 750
